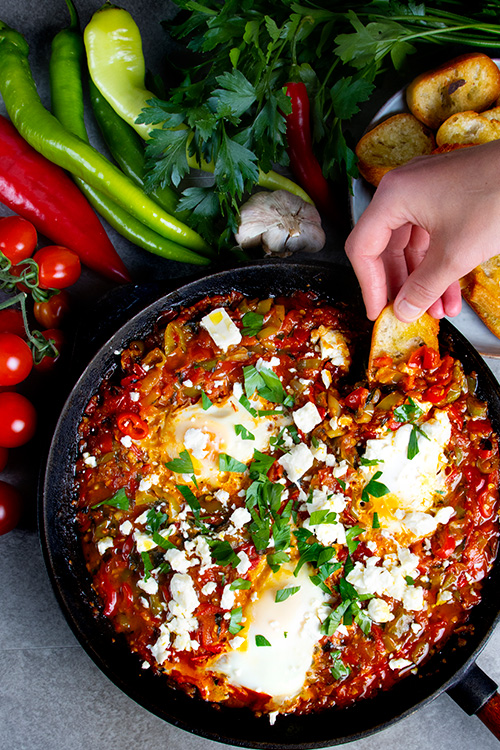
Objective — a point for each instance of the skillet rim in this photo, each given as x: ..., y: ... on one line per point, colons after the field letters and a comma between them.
x: 286, y: 731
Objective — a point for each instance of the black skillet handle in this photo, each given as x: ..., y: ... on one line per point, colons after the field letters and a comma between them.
x: 477, y: 694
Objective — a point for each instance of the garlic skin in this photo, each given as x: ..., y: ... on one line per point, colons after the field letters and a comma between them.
x: 281, y: 222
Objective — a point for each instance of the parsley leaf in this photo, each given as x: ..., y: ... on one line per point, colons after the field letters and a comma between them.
x: 339, y: 670
x: 205, y: 401
x: 181, y: 465
x: 118, y: 500
x: 243, y: 432
x: 228, y: 463
x: 283, y: 594
x: 374, y: 488
x: 252, y: 323
x: 261, y: 463
x: 240, y: 584
x: 375, y: 521
x: 261, y: 640
x: 235, y: 621
x: 223, y: 553
x: 148, y: 565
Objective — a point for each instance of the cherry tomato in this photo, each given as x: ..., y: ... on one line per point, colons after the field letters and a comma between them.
x: 11, y: 321
x: 18, y: 238
x: 16, y: 360
x: 51, y: 314
x: 47, y: 363
x: 4, y: 456
x: 17, y: 419
x: 58, y: 267
x: 10, y: 507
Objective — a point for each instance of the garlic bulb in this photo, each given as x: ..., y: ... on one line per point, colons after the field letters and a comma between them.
x: 282, y: 222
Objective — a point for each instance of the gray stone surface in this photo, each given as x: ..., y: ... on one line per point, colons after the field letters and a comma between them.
x: 52, y: 696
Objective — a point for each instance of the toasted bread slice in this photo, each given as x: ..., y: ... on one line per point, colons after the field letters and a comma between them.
x: 481, y: 289
x: 492, y: 114
x: 469, y: 128
x: 390, y: 144
x: 468, y: 82
x: 392, y: 337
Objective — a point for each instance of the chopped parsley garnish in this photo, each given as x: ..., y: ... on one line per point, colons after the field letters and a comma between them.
x: 228, y: 463
x: 148, y: 565
x: 240, y: 584
x: 408, y: 412
x: 370, y: 461
x: 265, y: 382
x: 351, y: 541
x: 223, y: 553
x: 118, y: 500
x: 181, y: 465
x: 154, y: 520
x: 413, y: 448
x: 261, y: 640
x: 283, y: 594
x: 263, y: 501
x: 261, y: 463
x: 252, y: 323
x: 243, y: 432
x: 339, y: 670
x: 205, y: 401
x: 409, y: 580
x: 374, y: 488
x: 375, y: 521
x: 276, y: 559
x: 235, y: 621
x: 247, y: 405
x: 322, y: 516
x: 193, y: 503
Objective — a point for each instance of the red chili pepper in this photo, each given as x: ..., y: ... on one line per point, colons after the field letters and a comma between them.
x: 43, y: 193
x: 305, y: 165
x: 131, y: 424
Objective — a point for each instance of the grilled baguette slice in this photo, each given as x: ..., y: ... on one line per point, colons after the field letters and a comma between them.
x: 390, y: 144
x: 468, y: 128
x: 468, y: 82
x: 481, y: 289
x: 397, y: 339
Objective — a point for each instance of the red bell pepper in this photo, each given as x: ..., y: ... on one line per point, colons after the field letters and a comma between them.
x: 44, y: 194
x: 303, y: 162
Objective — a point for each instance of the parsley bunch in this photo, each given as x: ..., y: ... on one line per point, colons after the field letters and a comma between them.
x: 230, y: 106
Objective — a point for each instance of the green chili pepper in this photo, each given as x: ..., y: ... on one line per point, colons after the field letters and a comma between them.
x: 116, y: 64
x: 67, y: 105
x: 47, y: 136
x: 127, y: 150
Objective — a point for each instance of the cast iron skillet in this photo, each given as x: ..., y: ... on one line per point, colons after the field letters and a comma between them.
x: 453, y: 668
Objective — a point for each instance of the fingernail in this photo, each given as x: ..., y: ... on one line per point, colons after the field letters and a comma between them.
x: 406, y: 311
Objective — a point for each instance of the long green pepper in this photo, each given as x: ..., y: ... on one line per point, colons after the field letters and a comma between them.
x: 127, y: 150
x: 67, y: 106
x: 47, y: 136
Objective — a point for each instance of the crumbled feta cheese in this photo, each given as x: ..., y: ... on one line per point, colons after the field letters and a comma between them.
x: 320, y: 453
x: 126, y: 441
x: 333, y: 346
x: 240, y: 517
x: 413, y: 598
x: 236, y: 642
x: 326, y: 533
x: 177, y: 560
x: 261, y: 363
x: 272, y: 717
x: 188, y: 383
x: 126, y: 528
x: 209, y: 588
x: 222, y: 496
x: 307, y: 417
x: 227, y: 598
x: 134, y: 396
x: 244, y: 564
x: 444, y: 596
x: 397, y: 664
x: 104, y: 544
x: 326, y: 377
x: 144, y: 542
x: 145, y: 665
x: 379, y: 610
x: 297, y: 461
x: 143, y: 518
x: 221, y: 328
x: 150, y: 586
x: 90, y: 461
x: 183, y: 594
x: 195, y: 441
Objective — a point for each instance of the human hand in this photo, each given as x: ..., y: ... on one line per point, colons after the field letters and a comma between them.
x: 429, y: 223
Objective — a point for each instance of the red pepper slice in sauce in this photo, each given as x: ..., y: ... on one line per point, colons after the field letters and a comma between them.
x: 131, y: 424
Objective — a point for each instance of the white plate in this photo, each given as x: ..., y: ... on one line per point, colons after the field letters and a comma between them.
x: 467, y: 321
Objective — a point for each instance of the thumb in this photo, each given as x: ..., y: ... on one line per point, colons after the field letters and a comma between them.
x: 423, y: 287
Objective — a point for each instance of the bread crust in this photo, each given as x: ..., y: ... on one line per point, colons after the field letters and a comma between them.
x: 397, y: 339
x: 481, y: 289
x: 467, y: 82
x: 468, y: 128
x: 390, y: 144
